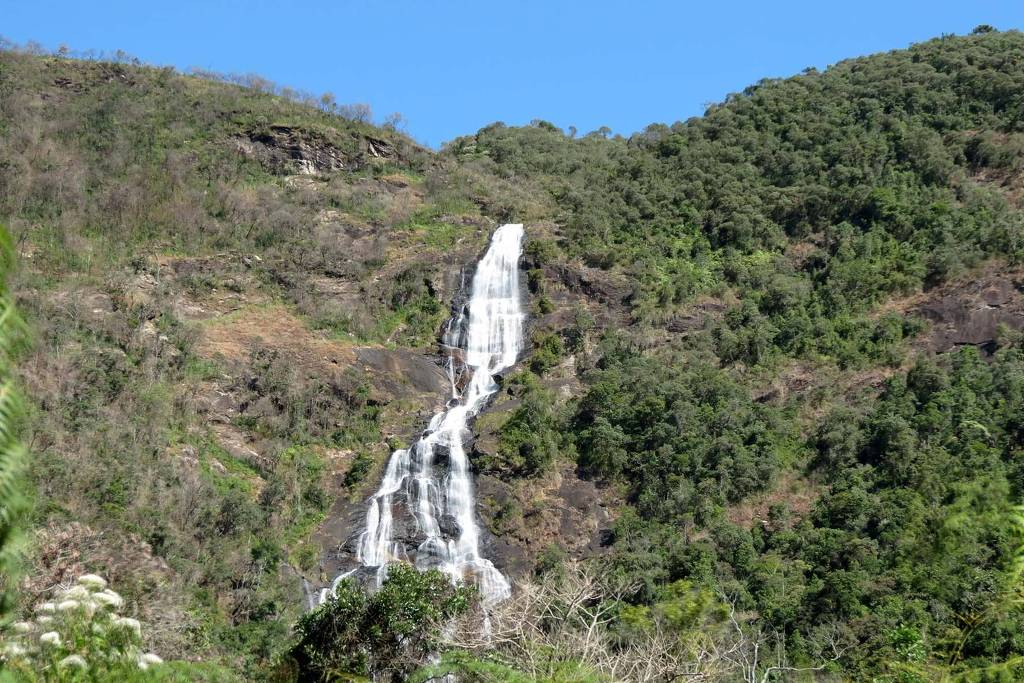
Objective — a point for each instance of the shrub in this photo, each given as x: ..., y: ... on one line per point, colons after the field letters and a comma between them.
x: 548, y: 350
x: 386, y: 635
x: 79, y: 635
x: 528, y: 440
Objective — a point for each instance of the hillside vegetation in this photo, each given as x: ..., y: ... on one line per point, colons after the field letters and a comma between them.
x: 233, y: 299
x: 770, y: 420
x: 770, y: 415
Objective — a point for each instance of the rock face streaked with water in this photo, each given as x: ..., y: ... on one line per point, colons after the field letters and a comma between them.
x: 424, y: 511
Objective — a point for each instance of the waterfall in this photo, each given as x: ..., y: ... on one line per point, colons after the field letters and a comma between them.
x: 424, y: 511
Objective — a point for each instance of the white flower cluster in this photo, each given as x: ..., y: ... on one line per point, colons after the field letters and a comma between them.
x: 66, y: 630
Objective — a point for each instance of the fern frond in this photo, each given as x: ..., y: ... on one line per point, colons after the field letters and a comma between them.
x: 13, y: 455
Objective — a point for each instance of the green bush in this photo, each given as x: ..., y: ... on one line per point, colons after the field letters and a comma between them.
x: 79, y: 636
x: 385, y: 635
x: 357, y: 471
x: 548, y: 350
x: 528, y: 441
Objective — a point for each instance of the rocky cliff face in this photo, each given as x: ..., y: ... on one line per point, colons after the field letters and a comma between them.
x: 976, y: 312
x: 284, y: 150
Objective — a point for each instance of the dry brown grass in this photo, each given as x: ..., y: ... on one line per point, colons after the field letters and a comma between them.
x: 794, y: 491
x: 234, y: 336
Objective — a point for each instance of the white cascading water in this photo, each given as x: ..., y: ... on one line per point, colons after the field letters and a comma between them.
x: 483, y: 340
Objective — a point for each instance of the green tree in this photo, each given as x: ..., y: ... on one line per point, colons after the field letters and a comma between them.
x: 386, y: 634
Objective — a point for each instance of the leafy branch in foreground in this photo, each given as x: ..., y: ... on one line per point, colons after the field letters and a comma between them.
x: 1009, y: 599
x: 13, y: 458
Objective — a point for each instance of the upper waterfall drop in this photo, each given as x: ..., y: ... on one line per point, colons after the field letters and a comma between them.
x: 427, y: 490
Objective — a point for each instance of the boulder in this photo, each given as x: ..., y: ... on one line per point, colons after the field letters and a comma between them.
x: 971, y: 314
x: 449, y: 527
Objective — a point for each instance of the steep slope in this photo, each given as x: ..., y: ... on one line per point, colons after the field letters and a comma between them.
x: 773, y: 389
x: 424, y: 512
x: 235, y: 300
x: 744, y: 310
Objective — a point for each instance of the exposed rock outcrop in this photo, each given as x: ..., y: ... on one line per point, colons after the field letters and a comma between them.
x: 560, y: 510
x: 286, y: 149
x: 971, y: 314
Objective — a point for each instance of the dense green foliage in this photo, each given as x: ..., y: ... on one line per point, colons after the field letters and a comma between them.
x: 807, y: 199
x: 787, y: 214
x: 528, y: 440
x: 384, y: 635
x: 683, y: 439
x: 911, y: 536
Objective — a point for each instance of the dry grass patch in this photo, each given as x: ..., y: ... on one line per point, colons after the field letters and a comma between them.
x: 233, y: 337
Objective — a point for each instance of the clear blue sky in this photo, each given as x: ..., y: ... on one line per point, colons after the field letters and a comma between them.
x: 452, y: 67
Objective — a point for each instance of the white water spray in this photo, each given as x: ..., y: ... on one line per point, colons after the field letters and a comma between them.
x: 424, y: 511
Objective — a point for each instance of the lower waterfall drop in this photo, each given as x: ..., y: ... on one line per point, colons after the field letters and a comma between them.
x: 436, y: 497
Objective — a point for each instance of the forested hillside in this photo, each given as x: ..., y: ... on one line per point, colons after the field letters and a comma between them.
x: 773, y: 413
x: 769, y: 427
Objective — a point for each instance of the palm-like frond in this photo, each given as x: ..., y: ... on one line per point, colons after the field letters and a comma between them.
x: 13, y: 456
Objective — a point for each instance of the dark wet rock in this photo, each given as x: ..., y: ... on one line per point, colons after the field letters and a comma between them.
x: 428, y: 560
x: 400, y: 500
x: 404, y: 367
x: 462, y: 378
x: 405, y: 530
x: 449, y: 526
x: 442, y: 456
x: 351, y: 544
x: 457, y: 355
x: 971, y: 314
x: 365, y: 576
